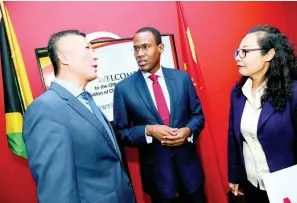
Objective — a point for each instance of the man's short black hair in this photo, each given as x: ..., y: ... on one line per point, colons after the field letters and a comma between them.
x: 52, y: 46
x: 154, y: 31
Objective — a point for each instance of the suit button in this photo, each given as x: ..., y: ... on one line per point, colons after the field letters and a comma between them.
x: 129, y: 184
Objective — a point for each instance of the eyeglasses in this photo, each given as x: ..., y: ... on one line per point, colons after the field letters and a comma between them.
x: 143, y: 47
x: 242, y: 52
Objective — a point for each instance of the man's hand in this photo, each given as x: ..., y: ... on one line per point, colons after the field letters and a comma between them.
x: 179, y: 139
x: 161, y: 131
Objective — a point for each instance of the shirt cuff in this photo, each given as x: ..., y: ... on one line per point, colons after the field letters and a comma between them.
x: 149, y: 139
x: 190, y: 139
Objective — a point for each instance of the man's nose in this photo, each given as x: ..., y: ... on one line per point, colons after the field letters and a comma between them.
x: 95, y: 57
x: 140, y: 53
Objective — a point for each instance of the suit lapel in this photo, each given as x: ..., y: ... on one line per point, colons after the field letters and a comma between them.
x: 83, y: 111
x: 89, y: 116
x: 266, y: 113
x: 169, y: 80
x: 239, y: 103
x: 114, y: 136
x: 144, y: 93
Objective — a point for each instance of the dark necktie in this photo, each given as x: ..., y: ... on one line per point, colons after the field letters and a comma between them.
x: 160, y: 100
x: 98, y: 114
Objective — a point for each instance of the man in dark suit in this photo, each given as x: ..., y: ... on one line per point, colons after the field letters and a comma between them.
x: 72, y: 150
x: 166, y: 117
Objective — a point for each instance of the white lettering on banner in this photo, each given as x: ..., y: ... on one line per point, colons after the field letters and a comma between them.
x: 116, y: 77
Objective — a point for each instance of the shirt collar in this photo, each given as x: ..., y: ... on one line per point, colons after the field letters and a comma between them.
x: 72, y: 88
x: 158, y: 73
x: 247, y: 91
x: 249, y: 83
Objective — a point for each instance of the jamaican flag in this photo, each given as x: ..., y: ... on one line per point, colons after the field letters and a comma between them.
x: 16, y: 88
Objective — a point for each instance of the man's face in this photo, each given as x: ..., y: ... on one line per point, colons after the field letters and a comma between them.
x: 147, y: 52
x: 76, y: 52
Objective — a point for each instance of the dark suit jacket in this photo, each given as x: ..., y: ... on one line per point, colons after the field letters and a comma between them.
x: 71, y: 157
x: 133, y: 103
x: 275, y: 132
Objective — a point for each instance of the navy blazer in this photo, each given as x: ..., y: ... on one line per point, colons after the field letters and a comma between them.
x: 133, y: 103
x: 71, y: 156
x: 276, y: 134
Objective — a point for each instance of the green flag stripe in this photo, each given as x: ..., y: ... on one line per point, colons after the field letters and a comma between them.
x: 16, y: 144
x: 12, y: 100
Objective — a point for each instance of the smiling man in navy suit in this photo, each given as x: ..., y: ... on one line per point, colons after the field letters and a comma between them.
x: 167, y: 118
x: 72, y: 150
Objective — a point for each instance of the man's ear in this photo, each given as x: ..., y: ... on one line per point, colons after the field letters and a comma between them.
x: 270, y: 54
x: 161, y: 48
x: 62, y: 58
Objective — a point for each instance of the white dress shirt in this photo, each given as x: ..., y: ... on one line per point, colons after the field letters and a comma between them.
x: 162, y: 83
x: 254, y: 156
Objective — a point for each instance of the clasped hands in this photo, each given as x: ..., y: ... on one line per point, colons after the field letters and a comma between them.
x: 168, y: 136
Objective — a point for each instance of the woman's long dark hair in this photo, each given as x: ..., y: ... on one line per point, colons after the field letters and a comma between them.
x: 282, y: 70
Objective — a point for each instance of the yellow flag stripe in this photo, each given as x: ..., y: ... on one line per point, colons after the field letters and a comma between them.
x: 17, y: 59
x: 185, y: 67
x: 191, y: 43
x: 14, y: 122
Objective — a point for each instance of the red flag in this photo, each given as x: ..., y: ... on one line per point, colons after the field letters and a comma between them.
x: 213, y: 179
x: 188, y: 51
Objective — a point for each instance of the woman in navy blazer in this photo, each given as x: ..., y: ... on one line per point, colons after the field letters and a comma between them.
x: 263, y: 112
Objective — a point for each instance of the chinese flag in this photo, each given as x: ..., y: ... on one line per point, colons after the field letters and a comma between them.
x: 213, y: 187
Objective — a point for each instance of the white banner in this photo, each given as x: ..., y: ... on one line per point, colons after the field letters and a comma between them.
x: 281, y: 186
x: 116, y: 61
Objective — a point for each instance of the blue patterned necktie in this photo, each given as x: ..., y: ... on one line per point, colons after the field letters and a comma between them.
x: 86, y: 96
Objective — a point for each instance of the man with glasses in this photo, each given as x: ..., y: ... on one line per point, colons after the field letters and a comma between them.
x: 157, y: 110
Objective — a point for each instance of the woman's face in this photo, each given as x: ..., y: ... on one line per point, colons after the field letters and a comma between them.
x: 250, y: 61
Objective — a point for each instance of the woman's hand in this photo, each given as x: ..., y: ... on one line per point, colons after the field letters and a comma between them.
x: 234, y: 189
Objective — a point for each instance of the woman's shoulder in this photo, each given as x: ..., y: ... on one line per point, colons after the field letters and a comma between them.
x: 235, y: 91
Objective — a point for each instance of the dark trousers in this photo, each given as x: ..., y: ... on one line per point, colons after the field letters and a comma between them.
x: 197, y: 197
x: 253, y: 194
x: 183, y: 196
